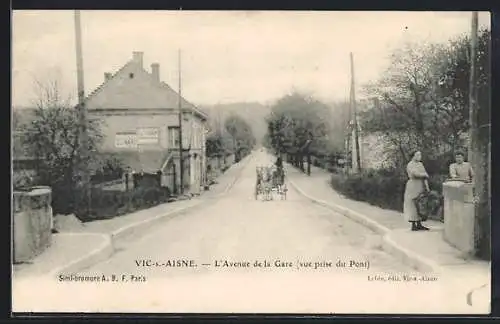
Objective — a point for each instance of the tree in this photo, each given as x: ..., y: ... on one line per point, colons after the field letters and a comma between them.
x: 424, y: 98
x: 217, y: 145
x: 301, y: 126
x: 52, y: 137
x: 243, y: 139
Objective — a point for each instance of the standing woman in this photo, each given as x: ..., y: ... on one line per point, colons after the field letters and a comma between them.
x: 417, y: 183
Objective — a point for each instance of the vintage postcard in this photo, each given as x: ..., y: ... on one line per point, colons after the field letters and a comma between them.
x: 251, y: 162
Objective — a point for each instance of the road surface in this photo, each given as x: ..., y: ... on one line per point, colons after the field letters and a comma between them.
x: 318, y: 262
x: 239, y: 228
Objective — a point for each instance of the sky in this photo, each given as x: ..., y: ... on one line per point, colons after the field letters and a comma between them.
x: 226, y: 56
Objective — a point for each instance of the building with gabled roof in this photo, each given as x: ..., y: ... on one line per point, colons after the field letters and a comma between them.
x: 139, y: 115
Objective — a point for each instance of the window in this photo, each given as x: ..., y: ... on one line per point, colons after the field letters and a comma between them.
x: 195, y: 138
x: 173, y: 136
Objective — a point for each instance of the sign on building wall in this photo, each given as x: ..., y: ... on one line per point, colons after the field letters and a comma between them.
x: 126, y: 140
x: 148, y: 135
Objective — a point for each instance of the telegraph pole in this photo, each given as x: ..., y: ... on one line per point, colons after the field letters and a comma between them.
x: 472, y: 86
x: 347, y: 137
x: 478, y: 152
x: 82, y: 114
x: 181, y: 163
x: 354, y: 116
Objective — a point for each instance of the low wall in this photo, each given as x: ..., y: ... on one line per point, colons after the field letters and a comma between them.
x: 32, y: 222
x: 113, y: 184
x: 459, y: 215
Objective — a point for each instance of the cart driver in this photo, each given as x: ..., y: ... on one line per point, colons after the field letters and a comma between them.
x: 279, y: 163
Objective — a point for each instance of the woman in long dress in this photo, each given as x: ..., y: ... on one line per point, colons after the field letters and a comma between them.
x: 417, y: 183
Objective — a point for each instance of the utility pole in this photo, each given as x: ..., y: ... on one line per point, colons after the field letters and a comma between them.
x: 355, y: 118
x: 478, y: 152
x: 220, y: 130
x: 347, y: 134
x: 181, y: 161
x: 472, y: 86
x: 82, y: 114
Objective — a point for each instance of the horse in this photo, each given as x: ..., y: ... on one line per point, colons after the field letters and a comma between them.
x: 264, y: 185
x: 279, y: 180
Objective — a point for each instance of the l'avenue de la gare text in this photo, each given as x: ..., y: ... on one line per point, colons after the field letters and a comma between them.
x: 264, y: 263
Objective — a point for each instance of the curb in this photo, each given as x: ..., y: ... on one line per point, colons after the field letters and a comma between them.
x: 409, y: 257
x: 104, y: 251
x: 242, y: 164
x: 108, y: 248
x: 133, y: 228
x: 357, y: 217
x: 389, y: 245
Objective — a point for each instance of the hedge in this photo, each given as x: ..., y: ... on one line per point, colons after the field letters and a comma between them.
x: 383, y: 188
x: 107, y: 204
x: 101, y: 176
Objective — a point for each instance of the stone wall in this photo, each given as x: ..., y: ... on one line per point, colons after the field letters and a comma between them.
x: 32, y: 223
x: 459, y: 215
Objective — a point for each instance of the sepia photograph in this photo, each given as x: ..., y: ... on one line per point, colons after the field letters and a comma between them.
x: 290, y: 162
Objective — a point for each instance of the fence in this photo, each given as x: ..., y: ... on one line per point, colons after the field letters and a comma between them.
x: 143, y: 180
x: 147, y: 180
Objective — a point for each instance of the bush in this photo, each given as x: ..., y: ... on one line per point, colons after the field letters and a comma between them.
x: 335, y: 169
x: 23, y: 178
x: 439, y: 164
x: 107, y: 204
x: 436, y: 182
x: 383, y: 188
x: 64, y: 197
x: 105, y: 176
x: 109, y: 168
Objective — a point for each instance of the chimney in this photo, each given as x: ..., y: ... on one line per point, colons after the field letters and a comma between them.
x: 138, y: 58
x: 107, y: 76
x: 155, y: 71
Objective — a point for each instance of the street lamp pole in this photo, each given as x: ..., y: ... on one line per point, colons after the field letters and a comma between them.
x: 82, y: 114
x: 355, y: 117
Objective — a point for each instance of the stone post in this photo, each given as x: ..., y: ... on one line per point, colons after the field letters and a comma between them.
x: 459, y: 215
x: 32, y: 222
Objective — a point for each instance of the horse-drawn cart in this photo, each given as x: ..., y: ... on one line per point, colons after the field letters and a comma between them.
x: 269, y: 182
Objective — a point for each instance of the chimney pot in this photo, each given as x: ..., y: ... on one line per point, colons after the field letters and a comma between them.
x: 138, y: 57
x: 107, y: 76
x: 155, y: 71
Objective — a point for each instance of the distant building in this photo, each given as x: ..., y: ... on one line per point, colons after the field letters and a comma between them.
x: 139, y: 115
